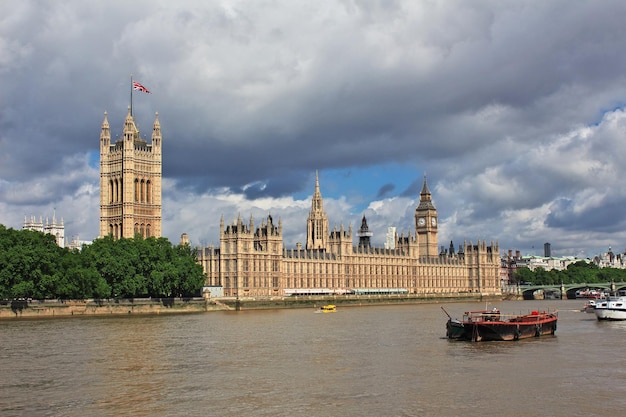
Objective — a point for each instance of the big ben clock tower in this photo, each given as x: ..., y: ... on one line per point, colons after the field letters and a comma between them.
x: 426, y: 223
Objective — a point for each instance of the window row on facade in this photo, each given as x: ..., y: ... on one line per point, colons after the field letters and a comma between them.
x: 117, y: 231
x: 142, y: 193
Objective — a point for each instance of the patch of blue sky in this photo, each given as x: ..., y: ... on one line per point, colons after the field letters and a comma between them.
x: 94, y: 159
x: 618, y: 105
x: 362, y: 185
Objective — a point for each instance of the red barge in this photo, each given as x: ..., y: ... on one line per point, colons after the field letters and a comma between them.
x: 491, y: 325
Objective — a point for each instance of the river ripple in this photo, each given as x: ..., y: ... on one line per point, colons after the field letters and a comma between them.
x: 360, y: 361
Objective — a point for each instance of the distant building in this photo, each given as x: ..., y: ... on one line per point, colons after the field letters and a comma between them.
x: 57, y: 229
x: 130, y: 181
x: 510, y: 263
x: 547, y: 252
x: 390, y: 239
x: 610, y: 260
x: 76, y: 243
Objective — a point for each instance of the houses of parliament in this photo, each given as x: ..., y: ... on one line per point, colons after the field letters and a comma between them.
x: 252, y: 261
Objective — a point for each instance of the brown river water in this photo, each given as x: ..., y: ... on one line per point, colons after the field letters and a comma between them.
x: 359, y: 361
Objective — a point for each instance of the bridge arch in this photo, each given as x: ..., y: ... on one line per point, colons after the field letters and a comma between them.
x: 569, y: 290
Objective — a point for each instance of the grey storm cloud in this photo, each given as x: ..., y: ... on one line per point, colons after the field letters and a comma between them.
x: 385, y: 190
x: 511, y: 108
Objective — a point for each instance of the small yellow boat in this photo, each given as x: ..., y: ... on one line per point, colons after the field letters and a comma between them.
x: 329, y: 308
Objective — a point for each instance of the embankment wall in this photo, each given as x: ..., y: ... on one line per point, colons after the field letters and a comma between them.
x: 49, y: 309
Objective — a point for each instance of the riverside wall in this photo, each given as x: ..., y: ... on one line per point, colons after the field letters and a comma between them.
x: 349, y: 301
x: 17, y: 309
x: 68, y: 308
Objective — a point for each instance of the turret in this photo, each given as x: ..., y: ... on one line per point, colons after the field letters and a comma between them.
x: 364, y: 234
x: 130, y: 130
x: 105, y: 135
x: 156, y: 136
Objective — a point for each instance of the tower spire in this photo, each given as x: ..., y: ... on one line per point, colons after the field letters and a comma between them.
x: 317, y: 223
x: 364, y: 234
x: 425, y: 189
x: 317, y: 203
x: 426, y: 200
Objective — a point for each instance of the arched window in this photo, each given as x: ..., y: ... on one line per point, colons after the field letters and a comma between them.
x: 148, y: 231
x: 136, y: 189
x: 148, y: 191
x: 117, y: 191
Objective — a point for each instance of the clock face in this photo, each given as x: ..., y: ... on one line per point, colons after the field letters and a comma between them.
x: 433, y: 221
x: 421, y: 221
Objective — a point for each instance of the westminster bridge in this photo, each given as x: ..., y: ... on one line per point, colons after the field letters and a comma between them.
x: 527, y: 291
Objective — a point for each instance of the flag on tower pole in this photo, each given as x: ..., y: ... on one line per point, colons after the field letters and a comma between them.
x: 139, y: 87
x: 135, y: 86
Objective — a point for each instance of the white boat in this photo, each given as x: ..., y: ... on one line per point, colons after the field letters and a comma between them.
x: 613, y: 308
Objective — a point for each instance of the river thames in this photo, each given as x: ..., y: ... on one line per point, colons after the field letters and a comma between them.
x: 360, y: 361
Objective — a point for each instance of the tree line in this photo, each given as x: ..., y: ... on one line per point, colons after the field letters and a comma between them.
x: 576, y: 273
x: 32, y: 265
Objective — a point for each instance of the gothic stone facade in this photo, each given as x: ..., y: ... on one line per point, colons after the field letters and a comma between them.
x: 130, y: 182
x: 254, y: 262
x: 57, y: 229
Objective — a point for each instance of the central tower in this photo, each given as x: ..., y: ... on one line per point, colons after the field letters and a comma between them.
x: 317, y: 230
x: 130, y: 181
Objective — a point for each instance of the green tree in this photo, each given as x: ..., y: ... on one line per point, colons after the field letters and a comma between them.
x: 581, y: 272
x: 29, y: 264
x: 611, y: 275
x: 32, y: 265
x: 191, y: 276
x: 140, y: 267
x: 524, y: 275
x: 541, y: 276
x: 553, y: 277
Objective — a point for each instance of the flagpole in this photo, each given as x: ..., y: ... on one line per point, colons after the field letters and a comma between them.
x: 131, y: 94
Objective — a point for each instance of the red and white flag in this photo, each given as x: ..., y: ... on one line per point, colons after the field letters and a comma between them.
x: 137, y: 86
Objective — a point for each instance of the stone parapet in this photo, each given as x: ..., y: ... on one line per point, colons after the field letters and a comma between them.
x: 48, y: 309
x: 51, y: 309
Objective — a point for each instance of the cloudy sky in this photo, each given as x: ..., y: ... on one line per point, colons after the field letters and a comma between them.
x: 514, y: 111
